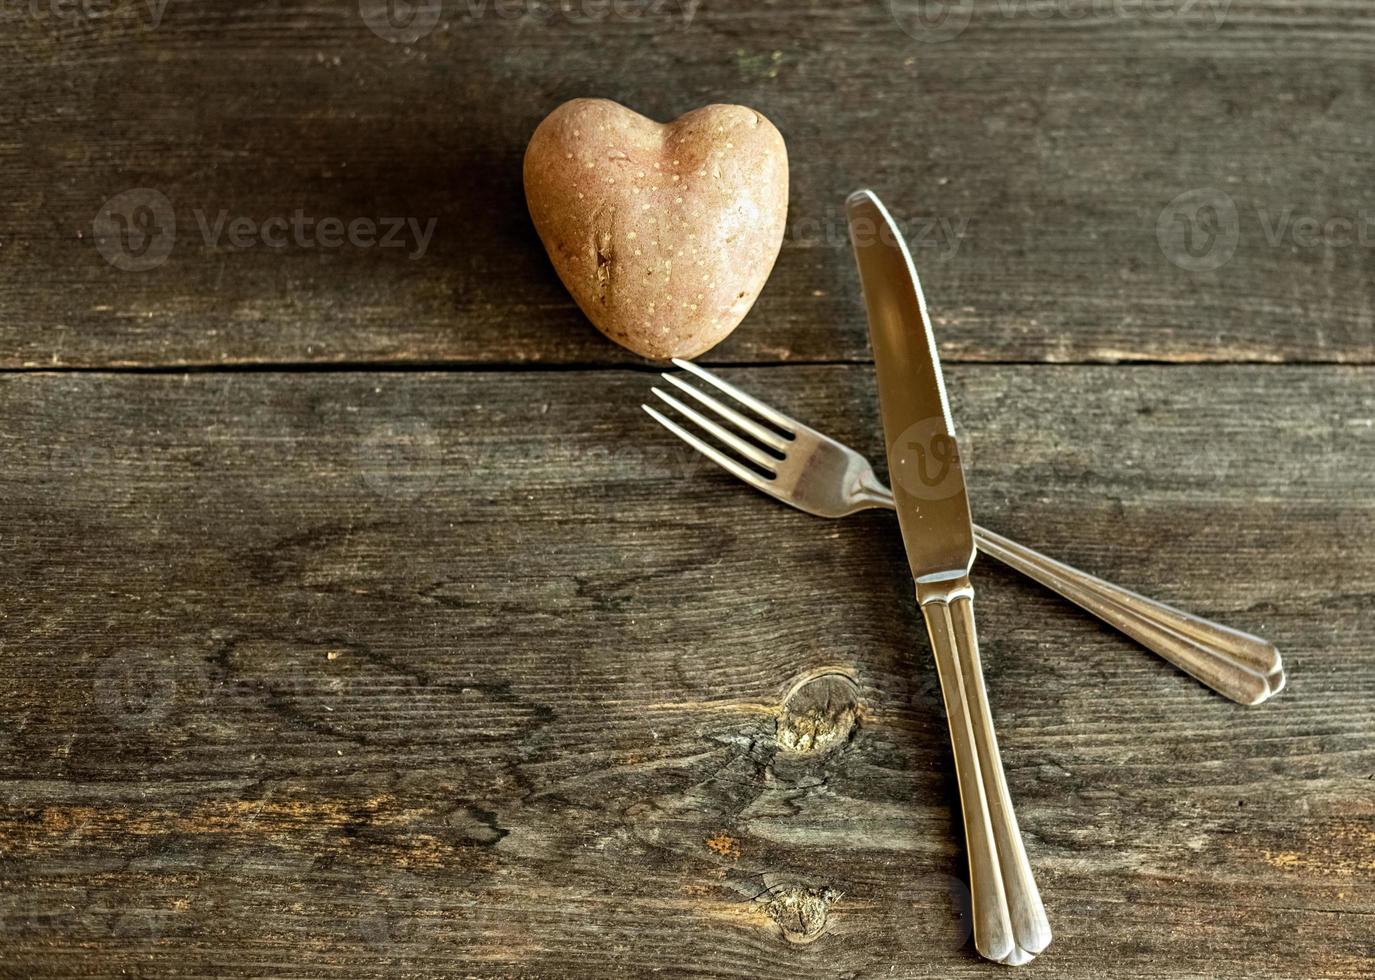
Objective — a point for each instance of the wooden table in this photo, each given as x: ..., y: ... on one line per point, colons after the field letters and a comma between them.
x: 354, y: 622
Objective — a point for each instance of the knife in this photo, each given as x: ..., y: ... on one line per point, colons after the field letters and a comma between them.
x: 932, y: 504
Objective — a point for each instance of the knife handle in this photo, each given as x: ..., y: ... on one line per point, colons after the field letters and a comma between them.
x: 1010, y: 924
x: 1237, y: 665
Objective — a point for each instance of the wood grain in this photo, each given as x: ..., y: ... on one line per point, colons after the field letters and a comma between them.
x: 392, y: 640
x: 480, y: 674
x: 1032, y: 161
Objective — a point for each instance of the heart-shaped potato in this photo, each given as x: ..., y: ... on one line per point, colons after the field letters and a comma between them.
x: 663, y: 234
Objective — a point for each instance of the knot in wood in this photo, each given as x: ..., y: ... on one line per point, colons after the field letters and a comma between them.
x: 820, y: 714
x: 801, y: 913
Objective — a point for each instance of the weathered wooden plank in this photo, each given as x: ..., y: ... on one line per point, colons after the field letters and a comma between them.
x: 1033, y: 160
x: 348, y: 675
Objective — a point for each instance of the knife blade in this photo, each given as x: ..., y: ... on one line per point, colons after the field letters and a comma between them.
x: 923, y: 454
x: 932, y: 504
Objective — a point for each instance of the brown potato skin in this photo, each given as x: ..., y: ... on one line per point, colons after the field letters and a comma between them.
x: 664, y: 234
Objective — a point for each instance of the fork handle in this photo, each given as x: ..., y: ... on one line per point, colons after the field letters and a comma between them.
x: 1010, y: 924
x: 1237, y: 665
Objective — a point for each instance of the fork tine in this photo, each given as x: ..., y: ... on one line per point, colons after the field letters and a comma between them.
x: 766, y: 436
x: 749, y: 401
x: 710, y: 451
x: 750, y: 452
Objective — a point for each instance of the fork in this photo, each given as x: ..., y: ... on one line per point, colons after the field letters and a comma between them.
x: 814, y: 473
